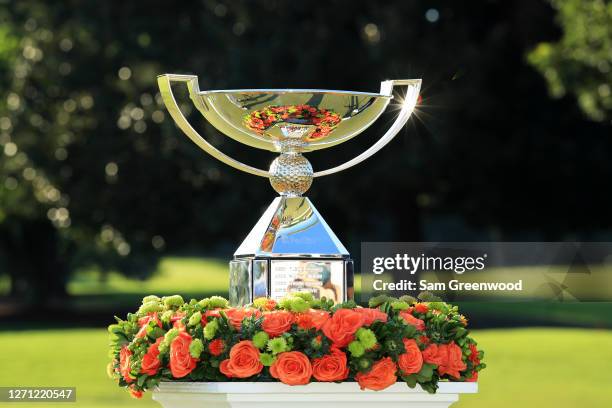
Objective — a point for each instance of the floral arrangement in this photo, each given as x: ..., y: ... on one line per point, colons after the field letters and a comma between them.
x: 325, y: 120
x: 295, y: 340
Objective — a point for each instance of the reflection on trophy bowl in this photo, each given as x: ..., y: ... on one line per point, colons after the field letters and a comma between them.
x: 284, y: 120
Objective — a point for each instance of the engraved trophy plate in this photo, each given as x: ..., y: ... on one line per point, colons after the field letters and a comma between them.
x: 291, y: 248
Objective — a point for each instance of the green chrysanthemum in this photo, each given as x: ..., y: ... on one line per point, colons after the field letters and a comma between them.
x: 195, y: 348
x: 285, y: 303
x: 277, y: 345
x: 217, y: 302
x: 168, y: 337
x: 399, y: 305
x: 166, y: 316
x: 195, y: 319
x: 150, y: 307
x: 260, y: 339
x: 267, y: 359
x: 211, y: 329
x: 366, y: 337
x: 299, y: 305
x: 173, y: 301
x: 150, y: 298
x: 307, y: 296
x: 356, y: 348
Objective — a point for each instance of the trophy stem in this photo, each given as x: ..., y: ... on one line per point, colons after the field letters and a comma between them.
x: 291, y: 174
x: 291, y: 249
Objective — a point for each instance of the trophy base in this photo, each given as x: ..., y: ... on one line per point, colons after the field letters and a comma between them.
x: 291, y: 249
x: 274, y: 278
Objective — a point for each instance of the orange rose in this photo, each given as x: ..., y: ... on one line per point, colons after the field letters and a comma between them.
x: 216, y: 347
x: 243, y: 361
x: 135, y: 393
x: 331, y: 367
x: 181, y: 362
x: 143, y: 323
x: 412, y: 360
x: 433, y: 355
x: 236, y: 316
x: 292, y: 368
x: 371, y: 315
x: 453, y: 363
x: 277, y: 323
x: 380, y: 376
x: 340, y: 329
x: 125, y: 356
x: 150, y: 361
x: 410, y: 319
x: 421, y: 308
x: 312, y: 319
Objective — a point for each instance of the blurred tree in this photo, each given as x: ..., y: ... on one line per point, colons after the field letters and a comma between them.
x: 581, y: 62
x: 94, y: 173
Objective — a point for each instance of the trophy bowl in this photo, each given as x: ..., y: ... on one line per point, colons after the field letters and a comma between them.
x: 310, y: 119
x: 291, y: 248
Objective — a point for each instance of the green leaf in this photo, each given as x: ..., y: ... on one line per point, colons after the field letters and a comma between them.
x: 411, y: 380
x: 426, y: 372
x: 141, y: 380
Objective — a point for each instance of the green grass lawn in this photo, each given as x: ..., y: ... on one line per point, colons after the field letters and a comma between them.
x: 527, y: 367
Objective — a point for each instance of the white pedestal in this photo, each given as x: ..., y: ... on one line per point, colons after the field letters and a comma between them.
x: 314, y: 395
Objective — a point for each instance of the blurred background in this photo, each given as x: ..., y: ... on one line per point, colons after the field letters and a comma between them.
x: 103, y: 199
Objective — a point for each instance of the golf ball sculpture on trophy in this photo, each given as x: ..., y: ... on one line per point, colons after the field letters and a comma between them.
x: 291, y: 248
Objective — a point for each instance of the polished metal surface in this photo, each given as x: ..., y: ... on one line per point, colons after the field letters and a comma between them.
x: 292, y: 227
x: 291, y: 247
x: 289, y: 120
x: 275, y: 278
x: 291, y: 174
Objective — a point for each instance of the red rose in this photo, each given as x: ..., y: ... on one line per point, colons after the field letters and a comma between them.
x: 331, y: 367
x: 453, y: 363
x: 292, y: 368
x: 410, y: 319
x: 312, y: 319
x: 473, y: 377
x: 421, y: 308
x: 380, y: 376
x: 340, y: 329
x: 432, y: 355
x: 473, y: 357
x: 412, y: 360
x: 243, y: 361
x: 371, y: 315
x: 150, y: 361
x: 125, y: 356
x: 216, y: 347
x: 181, y: 362
x: 176, y: 320
x: 277, y: 323
x: 236, y: 316
x: 424, y: 340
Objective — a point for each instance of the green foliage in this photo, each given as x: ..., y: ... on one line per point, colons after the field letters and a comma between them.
x: 580, y: 63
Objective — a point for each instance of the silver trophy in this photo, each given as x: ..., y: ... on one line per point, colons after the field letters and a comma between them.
x: 291, y: 248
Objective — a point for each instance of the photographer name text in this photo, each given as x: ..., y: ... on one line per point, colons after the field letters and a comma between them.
x: 456, y: 285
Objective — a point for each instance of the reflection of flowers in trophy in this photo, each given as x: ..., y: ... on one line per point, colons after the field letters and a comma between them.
x: 324, y: 119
